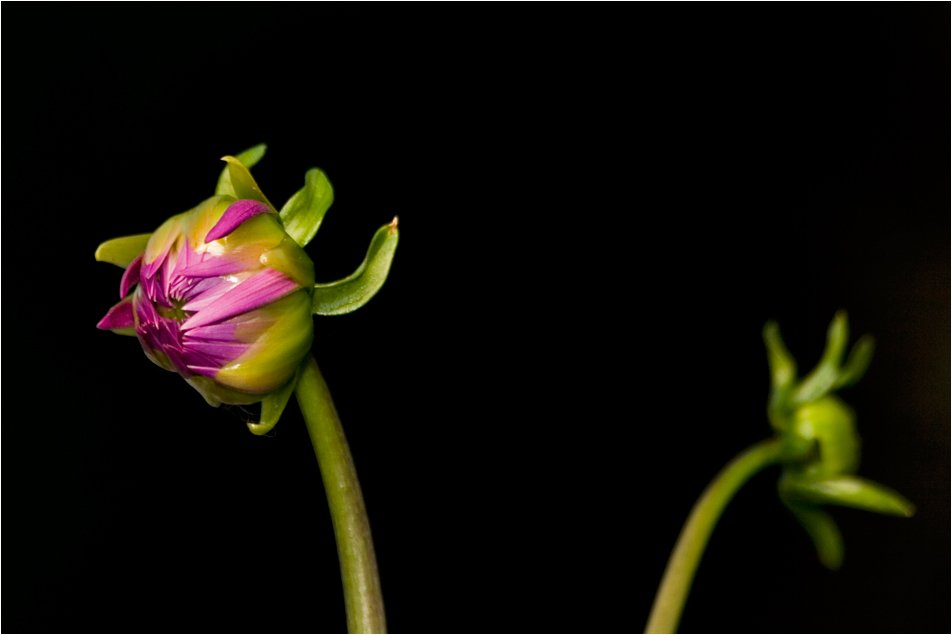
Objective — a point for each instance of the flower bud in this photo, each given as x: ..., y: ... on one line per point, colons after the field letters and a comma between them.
x: 224, y: 293
x: 222, y: 297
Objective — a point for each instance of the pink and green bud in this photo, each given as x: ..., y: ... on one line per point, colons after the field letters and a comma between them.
x: 222, y: 297
x: 224, y: 294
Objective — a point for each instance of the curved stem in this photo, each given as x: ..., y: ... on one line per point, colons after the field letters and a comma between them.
x: 673, y: 592
x: 355, y: 548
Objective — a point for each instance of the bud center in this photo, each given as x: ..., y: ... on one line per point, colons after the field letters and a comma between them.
x: 175, y: 312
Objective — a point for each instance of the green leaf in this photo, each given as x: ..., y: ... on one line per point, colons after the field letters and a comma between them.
x: 848, y: 491
x: 303, y: 213
x: 122, y: 251
x: 823, y: 531
x: 354, y: 291
x: 248, y: 158
x: 273, y: 406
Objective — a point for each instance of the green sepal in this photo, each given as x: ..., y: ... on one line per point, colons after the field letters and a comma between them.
x: 848, y: 491
x: 242, y: 184
x: 303, y: 213
x: 273, y: 406
x: 354, y: 291
x: 856, y: 364
x: 823, y: 378
x: 248, y: 158
x: 822, y: 530
x: 783, y: 373
x: 122, y: 251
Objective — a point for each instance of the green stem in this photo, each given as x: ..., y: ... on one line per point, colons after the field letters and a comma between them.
x: 355, y: 548
x: 673, y: 592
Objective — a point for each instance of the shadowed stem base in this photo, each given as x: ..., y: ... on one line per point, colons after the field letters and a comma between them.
x: 358, y: 565
x: 676, y: 583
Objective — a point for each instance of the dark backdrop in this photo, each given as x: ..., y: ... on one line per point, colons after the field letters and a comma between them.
x: 599, y: 211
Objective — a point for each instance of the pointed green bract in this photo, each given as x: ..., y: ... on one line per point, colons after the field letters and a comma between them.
x: 783, y: 368
x: 122, y: 251
x: 824, y: 377
x: 248, y: 158
x: 823, y: 532
x: 354, y: 291
x: 273, y: 406
x: 848, y: 491
x: 243, y: 185
x: 857, y: 363
x: 303, y: 213
x: 783, y: 374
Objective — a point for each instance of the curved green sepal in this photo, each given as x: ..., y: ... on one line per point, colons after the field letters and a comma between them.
x: 857, y: 362
x: 783, y: 373
x: 243, y: 185
x: 848, y: 491
x: 303, y: 213
x: 354, y: 291
x: 248, y: 158
x: 823, y: 531
x: 783, y: 368
x: 273, y: 406
x: 823, y: 378
x: 122, y: 251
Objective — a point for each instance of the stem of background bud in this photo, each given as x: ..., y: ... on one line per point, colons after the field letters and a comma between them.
x: 673, y: 591
x: 355, y: 549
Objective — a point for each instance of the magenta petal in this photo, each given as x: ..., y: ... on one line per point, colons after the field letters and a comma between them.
x: 237, y: 213
x: 210, y: 295
x: 131, y: 276
x: 218, y: 352
x: 207, y: 371
x: 119, y: 316
x: 263, y: 288
x: 214, y: 267
x: 213, y: 332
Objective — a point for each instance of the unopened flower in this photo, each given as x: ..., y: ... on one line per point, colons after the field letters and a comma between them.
x: 223, y: 297
x: 223, y: 294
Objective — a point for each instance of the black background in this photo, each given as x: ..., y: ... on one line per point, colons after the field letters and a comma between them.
x: 599, y: 209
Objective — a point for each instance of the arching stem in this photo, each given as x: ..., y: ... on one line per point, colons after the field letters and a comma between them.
x: 679, y: 574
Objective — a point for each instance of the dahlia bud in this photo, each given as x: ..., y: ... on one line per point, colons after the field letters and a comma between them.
x: 223, y: 299
x: 223, y: 294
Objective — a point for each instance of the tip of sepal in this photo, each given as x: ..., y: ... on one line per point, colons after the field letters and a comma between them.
x: 122, y: 251
x: 354, y: 291
x: 273, y: 406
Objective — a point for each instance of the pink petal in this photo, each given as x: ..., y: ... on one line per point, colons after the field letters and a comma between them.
x: 208, y: 294
x: 263, y: 288
x: 213, y: 332
x: 218, y: 267
x: 220, y: 353
x: 237, y: 213
x: 130, y: 277
x: 120, y: 316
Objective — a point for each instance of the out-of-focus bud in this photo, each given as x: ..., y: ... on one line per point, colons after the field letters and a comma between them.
x: 820, y: 447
